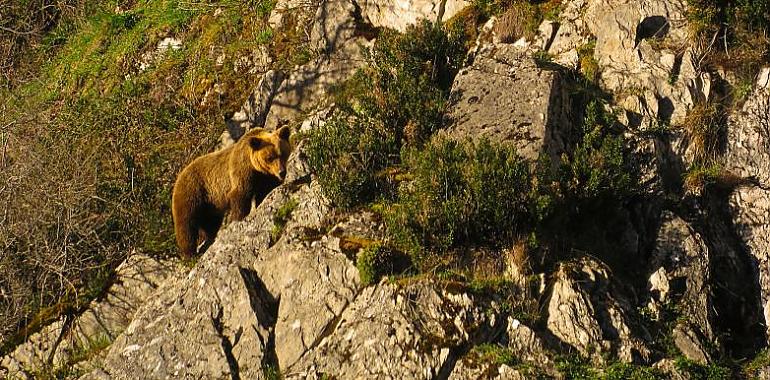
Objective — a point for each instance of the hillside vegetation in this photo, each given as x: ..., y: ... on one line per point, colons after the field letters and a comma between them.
x: 103, y: 102
x: 100, y: 109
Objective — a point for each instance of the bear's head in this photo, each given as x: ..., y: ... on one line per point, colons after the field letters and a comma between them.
x: 270, y: 151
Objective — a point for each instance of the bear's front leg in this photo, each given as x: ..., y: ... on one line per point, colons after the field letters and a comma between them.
x: 240, y: 204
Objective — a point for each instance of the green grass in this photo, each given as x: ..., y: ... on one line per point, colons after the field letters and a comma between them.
x: 495, y: 354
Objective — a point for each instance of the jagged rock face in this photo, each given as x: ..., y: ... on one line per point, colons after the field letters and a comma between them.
x: 400, y: 332
x: 253, y: 112
x: 136, y: 279
x: 587, y: 312
x: 680, y: 266
x: 336, y: 42
x: 526, y: 344
x: 296, y: 304
x: 644, y: 54
x: 748, y: 156
x: 399, y: 14
x: 212, y: 324
x: 748, y: 135
x: 505, y: 97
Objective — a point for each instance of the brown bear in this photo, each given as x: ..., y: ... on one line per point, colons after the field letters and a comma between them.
x: 227, y: 180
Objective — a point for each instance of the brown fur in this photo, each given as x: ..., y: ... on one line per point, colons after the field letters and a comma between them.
x: 227, y: 180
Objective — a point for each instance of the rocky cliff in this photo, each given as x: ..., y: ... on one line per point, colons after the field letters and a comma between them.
x: 282, y: 296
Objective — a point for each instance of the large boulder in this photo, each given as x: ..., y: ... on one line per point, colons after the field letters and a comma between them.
x: 253, y: 112
x: 505, y: 97
x: 59, y: 343
x: 748, y: 157
x: 399, y: 331
x: 587, y: 311
x: 643, y: 51
x: 680, y: 267
x: 399, y: 14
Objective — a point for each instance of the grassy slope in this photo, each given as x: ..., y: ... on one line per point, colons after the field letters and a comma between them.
x: 92, y: 143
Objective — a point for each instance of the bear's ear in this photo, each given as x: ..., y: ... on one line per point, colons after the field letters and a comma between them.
x: 255, y: 142
x: 283, y: 133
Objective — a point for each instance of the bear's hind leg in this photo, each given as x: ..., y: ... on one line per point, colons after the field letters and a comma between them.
x: 187, y: 239
x: 210, y: 225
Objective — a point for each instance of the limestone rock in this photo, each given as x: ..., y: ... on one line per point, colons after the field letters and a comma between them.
x: 748, y: 136
x: 748, y: 157
x: 681, y: 257
x: 335, y: 39
x: 254, y: 110
x: 214, y: 323
x: 335, y: 23
x: 399, y: 14
x: 307, y: 86
x: 643, y: 51
x: 466, y: 369
x: 750, y: 209
x: 400, y: 332
x: 315, y: 282
x: 526, y: 344
x: 587, y: 312
x: 135, y: 280
x: 680, y: 267
x: 505, y: 97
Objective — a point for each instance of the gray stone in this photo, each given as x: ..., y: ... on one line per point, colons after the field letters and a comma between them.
x: 253, y: 112
x: 136, y: 280
x: 688, y: 343
x: 587, y: 312
x: 526, y: 344
x: 307, y: 87
x: 681, y: 255
x: 657, y: 82
x: 399, y: 14
x: 505, y: 97
x: 748, y: 158
x: 466, y: 369
x: 398, y: 332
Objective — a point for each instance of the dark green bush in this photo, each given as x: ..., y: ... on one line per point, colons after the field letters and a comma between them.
x: 461, y: 193
x: 597, y: 168
x: 595, y: 176
x: 349, y: 154
x: 397, y: 99
x: 407, y: 80
x: 377, y: 260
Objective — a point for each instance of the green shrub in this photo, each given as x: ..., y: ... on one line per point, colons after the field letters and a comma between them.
x: 461, y: 193
x: 349, y: 154
x: 495, y: 354
x: 397, y: 99
x: 574, y: 367
x: 407, y: 80
x: 698, y: 371
x: 597, y: 168
x: 375, y: 261
x: 280, y: 218
x: 625, y: 371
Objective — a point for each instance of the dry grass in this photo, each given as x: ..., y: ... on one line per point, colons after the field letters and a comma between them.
x: 516, y: 22
x: 705, y: 125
